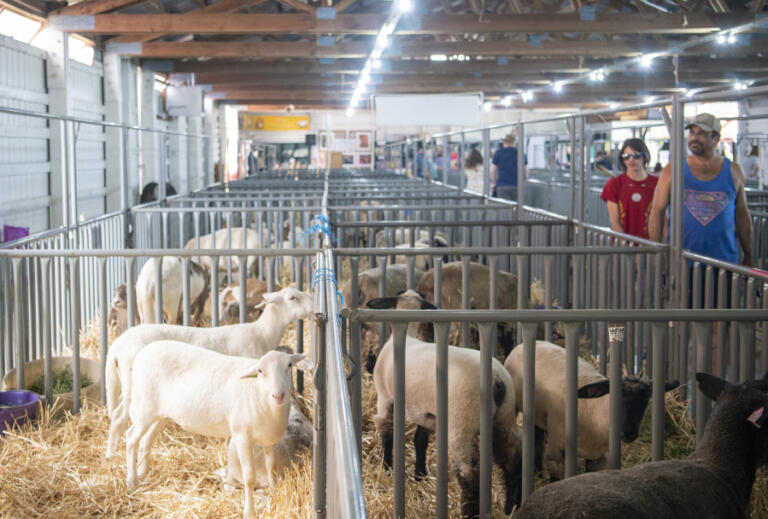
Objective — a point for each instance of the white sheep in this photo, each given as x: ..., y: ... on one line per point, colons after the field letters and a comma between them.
x: 464, y: 396
x: 246, y: 340
x: 298, y: 438
x: 173, y: 277
x: 211, y: 394
x: 220, y: 242
x: 715, y: 482
x: 229, y: 299
x: 593, y: 406
x: 404, y: 237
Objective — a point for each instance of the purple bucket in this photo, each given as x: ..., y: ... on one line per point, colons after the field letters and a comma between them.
x: 16, y: 408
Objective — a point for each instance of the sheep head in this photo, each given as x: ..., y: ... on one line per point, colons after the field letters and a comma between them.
x: 273, y: 375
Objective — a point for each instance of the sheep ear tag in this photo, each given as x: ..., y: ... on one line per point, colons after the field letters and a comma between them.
x: 254, y: 373
x: 757, y: 418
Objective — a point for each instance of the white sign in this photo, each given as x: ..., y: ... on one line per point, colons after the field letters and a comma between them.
x: 427, y: 109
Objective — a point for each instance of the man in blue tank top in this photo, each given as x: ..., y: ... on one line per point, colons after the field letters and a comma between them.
x: 716, y: 213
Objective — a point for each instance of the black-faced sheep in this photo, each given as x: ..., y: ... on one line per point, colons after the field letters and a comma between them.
x: 714, y: 483
x: 464, y: 414
x: 593, y: 406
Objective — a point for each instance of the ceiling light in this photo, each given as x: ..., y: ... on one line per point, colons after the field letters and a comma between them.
x: 721, y: 38
x: 649, y: 99
x: 382, y: 41
x: 557, y: 86
x: 405, y: 6
x: 597, y: 75
x: 613, y: 106
x: 350, y: 112
x: 526, y: 96
x: 689, y: 93
x: 376, y: 54
x: 487, y: 106
x: 740, y: 85
x: 646, y: 61
x: 438, y: 57
x: 506, y: 101
x: 377, y: 63
x: 731, y: 38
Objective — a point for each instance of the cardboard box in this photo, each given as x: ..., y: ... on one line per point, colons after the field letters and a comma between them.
x: 334, y: 157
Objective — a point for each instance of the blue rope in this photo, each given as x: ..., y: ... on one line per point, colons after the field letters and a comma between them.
x: 328, y: 274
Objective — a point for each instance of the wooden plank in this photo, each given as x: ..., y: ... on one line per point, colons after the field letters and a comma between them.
x: 298, y: 5
x: 223, y: 6
x: 370, y: 24
x: 95, y: 7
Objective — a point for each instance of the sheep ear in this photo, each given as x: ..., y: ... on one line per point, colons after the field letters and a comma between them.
x: 594, y: 390
x: 758, y: 417
x: 253, y: 372
x: 710, y: 385
x: 669, y: 386
x: 271, y: 297
x: 426, y: 305
x: 297, y: 359
x: 382, y: 303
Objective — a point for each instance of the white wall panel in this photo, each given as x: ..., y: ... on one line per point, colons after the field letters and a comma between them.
x: 24, y: 166
x: 86, y: 85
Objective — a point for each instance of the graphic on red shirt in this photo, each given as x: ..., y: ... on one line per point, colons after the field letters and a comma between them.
x: 705, y: 205
x: 634, y: 201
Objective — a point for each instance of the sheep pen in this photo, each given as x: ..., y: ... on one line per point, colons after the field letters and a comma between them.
x: 55, y: 467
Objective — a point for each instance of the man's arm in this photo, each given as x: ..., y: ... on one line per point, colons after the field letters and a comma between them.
x: 613, y: 213
x: 659, y: 205
x: 494, y: 174
x: 743, y: 221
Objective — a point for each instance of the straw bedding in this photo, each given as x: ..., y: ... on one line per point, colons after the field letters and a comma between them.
x: 55, y: 468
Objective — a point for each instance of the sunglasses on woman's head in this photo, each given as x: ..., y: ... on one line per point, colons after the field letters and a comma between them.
x: 637, y: 156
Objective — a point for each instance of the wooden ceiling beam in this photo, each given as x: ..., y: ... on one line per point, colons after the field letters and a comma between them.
x: 370, y: 24
x: 421, y: 49
x: 222, y: 6
x: 94, y: 7
x: 298, y: 5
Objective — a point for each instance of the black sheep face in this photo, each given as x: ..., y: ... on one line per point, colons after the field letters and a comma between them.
x: 635, y: 393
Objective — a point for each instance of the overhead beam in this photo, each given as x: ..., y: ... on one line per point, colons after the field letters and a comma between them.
x: 94, y: 7
x: 370, y: 24
x: 229, y: 68
x: 298, y: 5
x: 419, y: 49
x: 222, y: 6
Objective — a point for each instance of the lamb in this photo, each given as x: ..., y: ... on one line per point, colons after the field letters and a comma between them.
x: 298, y: 438
x: 464, y: 415
x: 479, y: 286
x: 714, y: 482
x: 220, y: 242
x: 246, y: 340
x: 212, y: 394
x: 422, y: 261
x: 229, y: 299
x: 382, y: 238
x: 593, y: 409
x: 118, y: 311
x: 172, y: 290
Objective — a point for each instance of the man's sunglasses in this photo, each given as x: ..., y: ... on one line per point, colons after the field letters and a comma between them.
x: 637, y: 156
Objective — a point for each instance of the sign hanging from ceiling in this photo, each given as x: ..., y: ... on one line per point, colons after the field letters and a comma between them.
x: 427, y: 109
x: 274, y: 123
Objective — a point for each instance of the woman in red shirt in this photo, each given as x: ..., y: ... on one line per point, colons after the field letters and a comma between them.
x: 629, y: 195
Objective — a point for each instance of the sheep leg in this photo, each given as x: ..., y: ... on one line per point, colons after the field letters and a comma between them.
x: 597, y: 464
x: 118, y: 427
x: 132, y: 437
x: 269, y: 461
x: 145, y: 445
x: 245, y: 453
x: 420, y: 443
x: 468, y: 477
x: 383, y: 421
x: 507, y: 453
x: 540, y: 441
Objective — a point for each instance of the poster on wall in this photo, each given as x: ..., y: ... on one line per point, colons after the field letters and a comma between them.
x: 348, y: 159
x: 274, y: 123
x: 364, y: 159
x: 340, y: 134
x: 363, y: 140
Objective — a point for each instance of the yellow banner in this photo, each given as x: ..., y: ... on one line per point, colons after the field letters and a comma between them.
x: 275, y: 123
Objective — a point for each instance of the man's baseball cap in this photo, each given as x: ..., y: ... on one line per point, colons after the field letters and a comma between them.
x: 707, y: 122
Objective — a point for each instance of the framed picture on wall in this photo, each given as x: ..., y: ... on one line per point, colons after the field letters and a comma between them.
x: 322, y: 141
x: 364, y: 159
x: 348, y: 159
x: 363, y: 140
x: 340, y: 134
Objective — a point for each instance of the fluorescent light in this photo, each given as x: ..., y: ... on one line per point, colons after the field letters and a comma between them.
x: 438, y: 57
x: 731, y: 38
x: 646, y: 61
x: 721, y: 38
x: 506, y: 101
x: 613, y: 106
x: 382, y: 41
x: 388, y: 28
x: 526, y: 95
x: 404, y: 6
x: 376, y: 54
x: 376, y: 63
x: 688, y: 93
x: 740, y: 85
x: 350, y: 112
x: 557, y: 86
x: 649, y: 99
x: 487, y: 106
x: 597, y: 75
